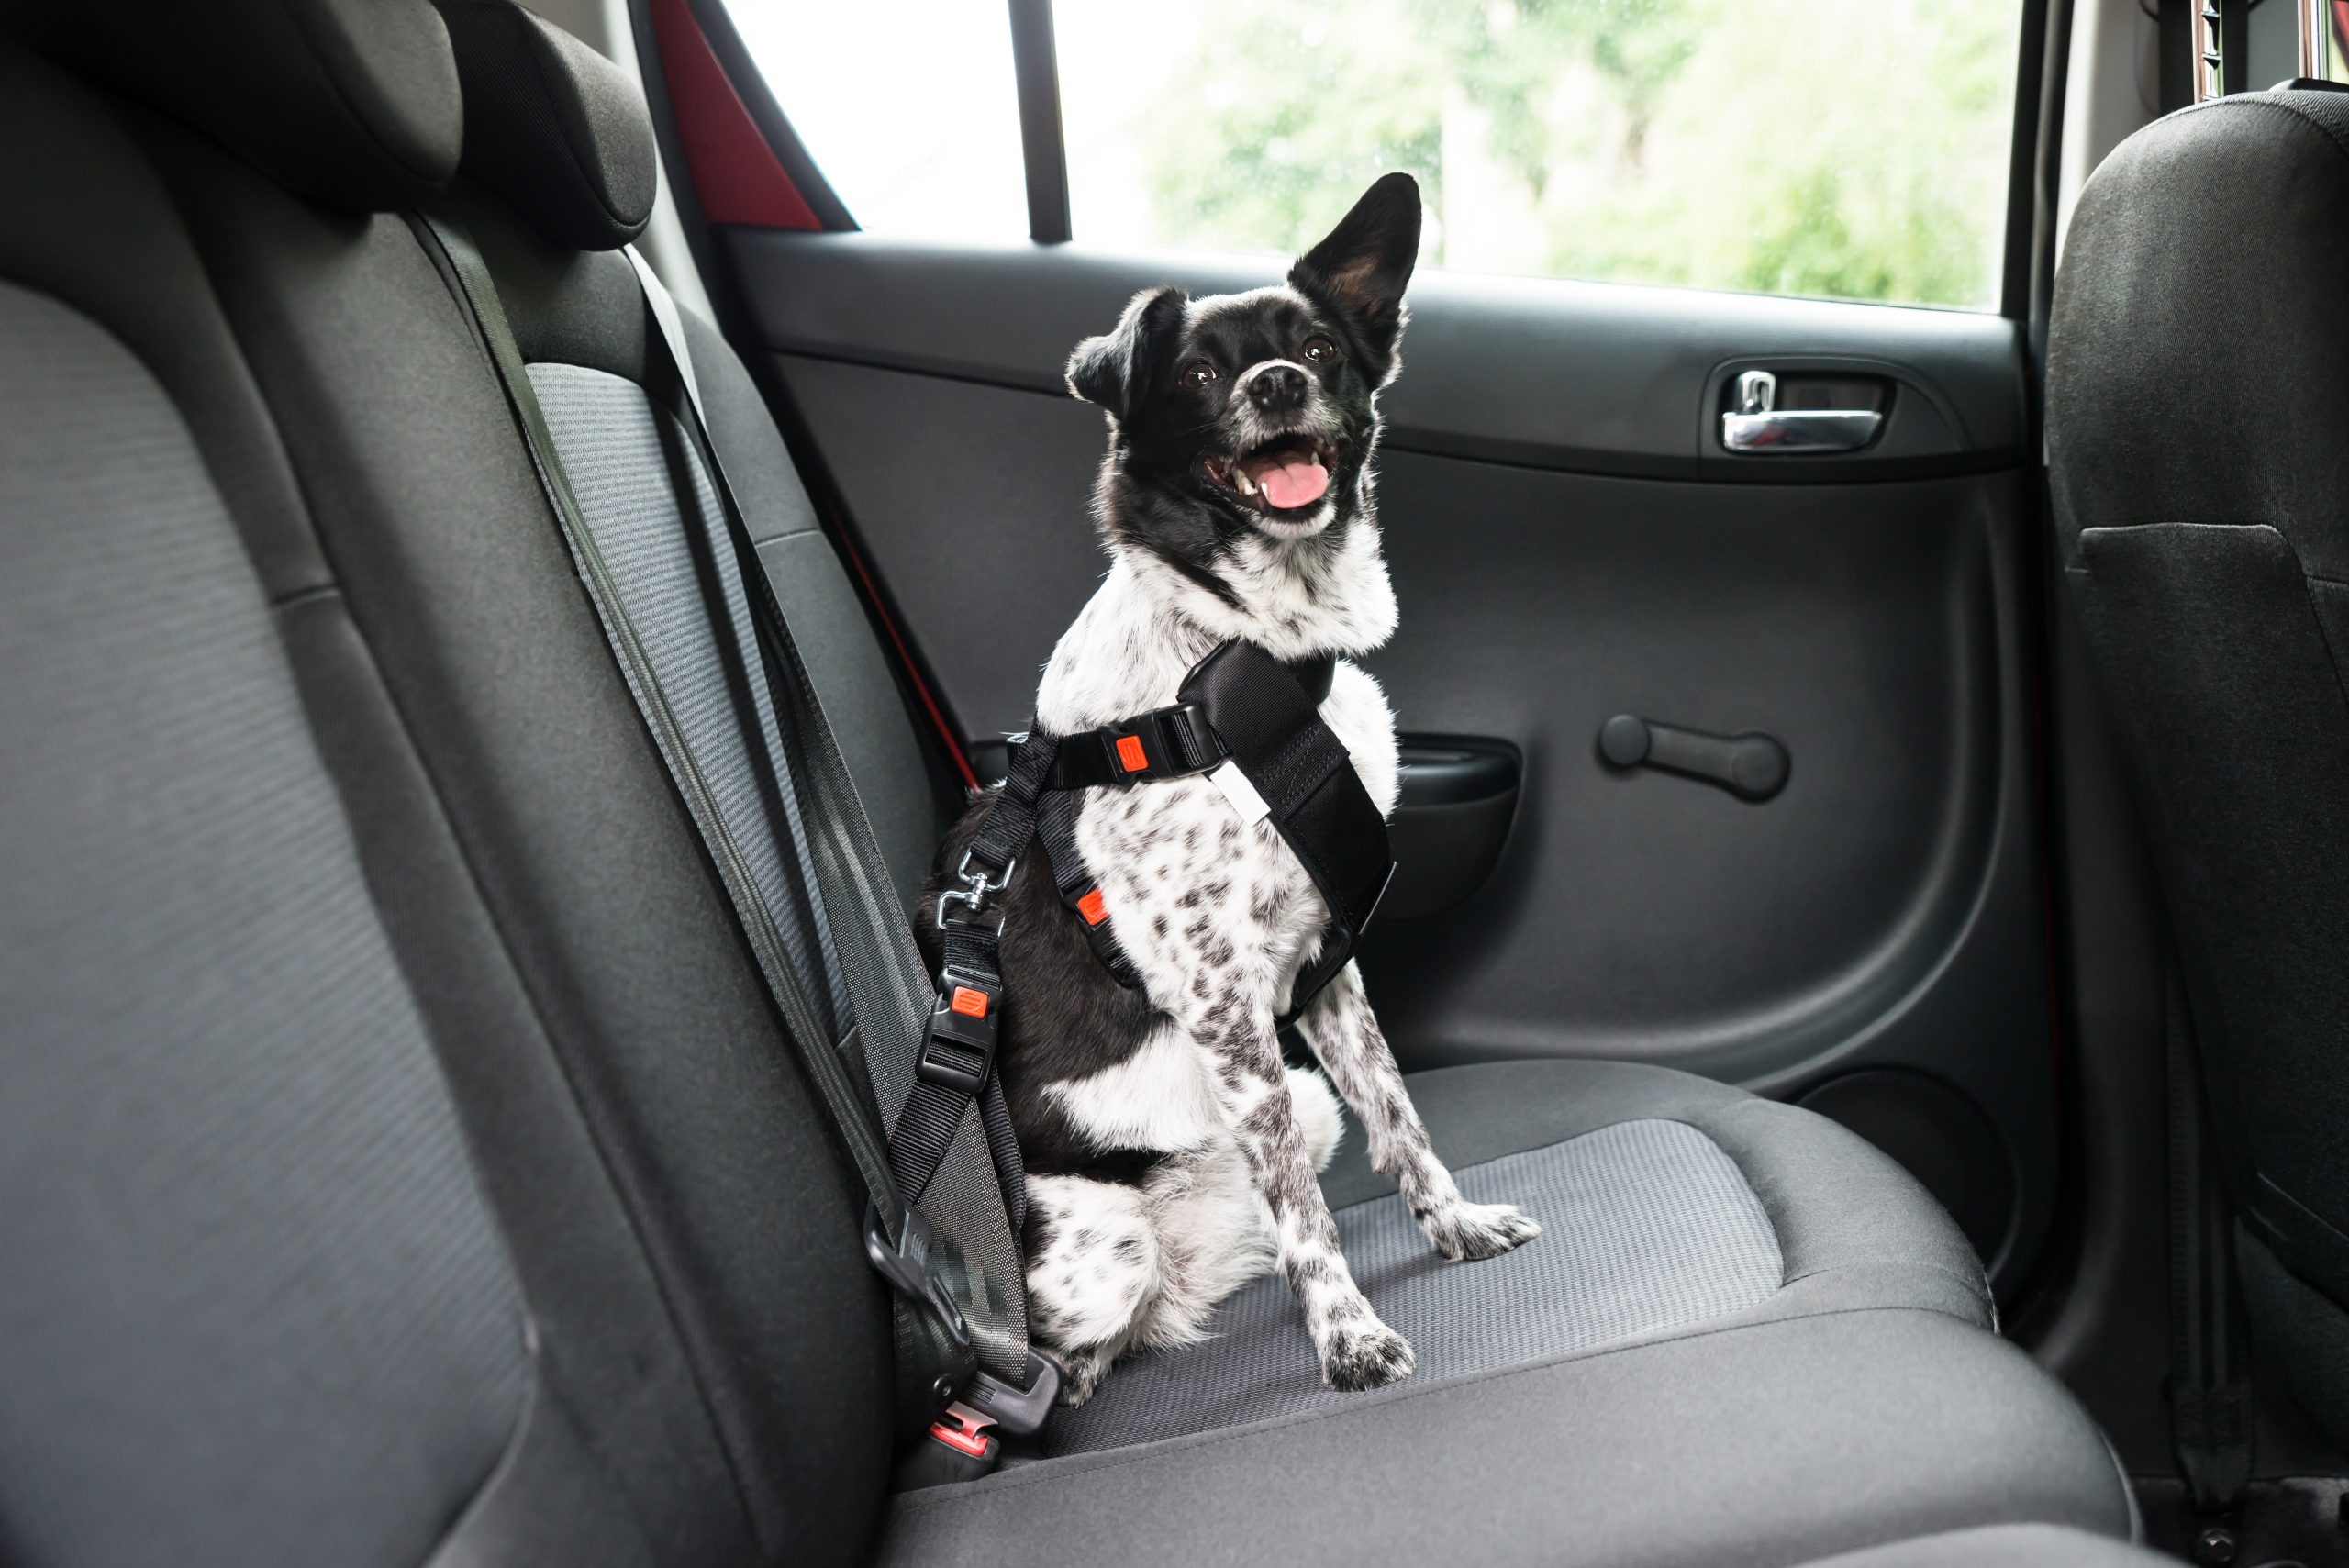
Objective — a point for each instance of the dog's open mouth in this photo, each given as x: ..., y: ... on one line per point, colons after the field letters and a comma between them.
x: 1288, y: 473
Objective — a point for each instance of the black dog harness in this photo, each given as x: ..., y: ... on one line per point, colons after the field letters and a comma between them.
x: 1238, y: 706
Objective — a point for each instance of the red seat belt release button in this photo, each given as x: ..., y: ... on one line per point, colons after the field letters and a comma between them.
x: 965, y: 1431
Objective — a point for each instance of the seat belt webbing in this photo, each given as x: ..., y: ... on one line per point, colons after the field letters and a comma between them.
x: 977, y: 1196
x: 2209, y: 1382
x: 478, y: 292
x: 930, y: 1353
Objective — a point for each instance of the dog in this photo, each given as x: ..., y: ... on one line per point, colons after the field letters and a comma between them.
x: 1171, y: 1155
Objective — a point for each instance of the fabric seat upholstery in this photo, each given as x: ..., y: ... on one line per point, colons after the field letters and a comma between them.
x: 2194, y: 410
x: 1670, y: 1205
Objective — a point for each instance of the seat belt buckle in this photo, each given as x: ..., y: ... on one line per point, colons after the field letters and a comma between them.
x: 1016, y: 1412
x: 965, y: 1431
x: 958, y: 1049
x: 958, y: 1448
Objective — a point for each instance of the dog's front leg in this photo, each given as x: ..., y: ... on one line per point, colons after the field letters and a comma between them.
x: 1345, y: 1034
x: 1357, y: 1349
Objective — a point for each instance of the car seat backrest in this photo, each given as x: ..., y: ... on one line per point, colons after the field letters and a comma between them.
x: 646, y: 1284
x: 2195, y: 411
x: 255, y: 1308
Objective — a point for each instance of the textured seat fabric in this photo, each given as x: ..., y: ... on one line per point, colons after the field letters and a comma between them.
x: 1671, y: 1205
x: 402, y: 1159
x: 2195, y: 409
x: 631, y: 471
x: 1767, y: 1444
x: 1646, y: 1226
x: 216, y: 1094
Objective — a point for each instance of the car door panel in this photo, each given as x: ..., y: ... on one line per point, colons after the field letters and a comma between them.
x: 1570, y: 542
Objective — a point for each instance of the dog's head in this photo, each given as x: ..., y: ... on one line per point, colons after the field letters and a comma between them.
x: 1254, y: 413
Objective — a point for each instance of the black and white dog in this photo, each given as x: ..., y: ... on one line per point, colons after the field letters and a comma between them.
x: 1171, y: 1156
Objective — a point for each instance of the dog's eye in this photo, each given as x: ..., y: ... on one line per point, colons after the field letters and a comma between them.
x: 1320, y: 351
x: 1198, y: 373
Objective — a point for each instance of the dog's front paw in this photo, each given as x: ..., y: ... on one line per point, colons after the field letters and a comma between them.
x: 1371, y: 1356
x: 1480, y: 1229
x: 1081, y: 1373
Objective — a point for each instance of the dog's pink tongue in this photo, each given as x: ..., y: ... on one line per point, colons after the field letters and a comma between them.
x: 1293, y: 479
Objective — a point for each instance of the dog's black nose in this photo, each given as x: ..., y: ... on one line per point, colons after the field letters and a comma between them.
x: 1276, y: 389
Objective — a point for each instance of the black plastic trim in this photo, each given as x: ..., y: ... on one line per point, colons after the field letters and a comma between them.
x: 2031, y: 54
x: 1035, y: 64
x: 1451, y: 822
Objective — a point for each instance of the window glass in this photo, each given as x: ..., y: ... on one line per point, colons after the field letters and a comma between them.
x: 908, y: 107
x: 1851, y: 149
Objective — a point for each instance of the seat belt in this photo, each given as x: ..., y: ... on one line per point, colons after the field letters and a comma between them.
x: 2210, y: 1380
x: 976, y: 1191
x: 950, y: 1326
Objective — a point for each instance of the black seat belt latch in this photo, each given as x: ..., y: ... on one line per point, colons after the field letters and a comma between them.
x: 1016, y: 1411
x: 905, y: 1264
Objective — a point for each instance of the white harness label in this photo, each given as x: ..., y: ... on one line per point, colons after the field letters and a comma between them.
x: 1241, y: 792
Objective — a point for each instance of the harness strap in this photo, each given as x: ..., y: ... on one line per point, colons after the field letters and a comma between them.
x: 956, y: 1067
x: 1164, y: 744
x: 1242, y: 709
x: 1274, y: 731
x: 1079, y: 890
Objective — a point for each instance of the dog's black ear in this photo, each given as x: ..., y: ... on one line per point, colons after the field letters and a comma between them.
x: 1364, y: 266
x: 1114, y: 369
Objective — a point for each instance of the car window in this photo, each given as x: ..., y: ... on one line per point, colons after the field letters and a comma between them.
x: 1846, y: 149
x: 908, y: 107
x: 1856, y: 149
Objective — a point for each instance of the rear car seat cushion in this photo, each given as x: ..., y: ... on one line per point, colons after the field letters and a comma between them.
x: 1669, y: 1204
x: 1766, y: 1444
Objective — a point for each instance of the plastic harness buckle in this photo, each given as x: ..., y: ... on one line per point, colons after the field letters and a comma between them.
x: 958, y: 1051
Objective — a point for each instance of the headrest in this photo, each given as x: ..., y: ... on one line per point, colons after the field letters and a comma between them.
x: 351, y: 102
x: 2196, y: 350
x: 558, y: 130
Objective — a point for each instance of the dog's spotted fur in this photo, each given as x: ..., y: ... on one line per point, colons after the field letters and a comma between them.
x: 1172, y: 1155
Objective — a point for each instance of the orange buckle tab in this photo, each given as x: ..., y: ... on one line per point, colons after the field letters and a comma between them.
x: 1091, y: 906
x: 969, y: 1003
x: 1130, y: 754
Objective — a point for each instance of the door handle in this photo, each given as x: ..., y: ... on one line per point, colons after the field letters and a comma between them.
x: 1757, y: 428
x: 1753, y: 766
